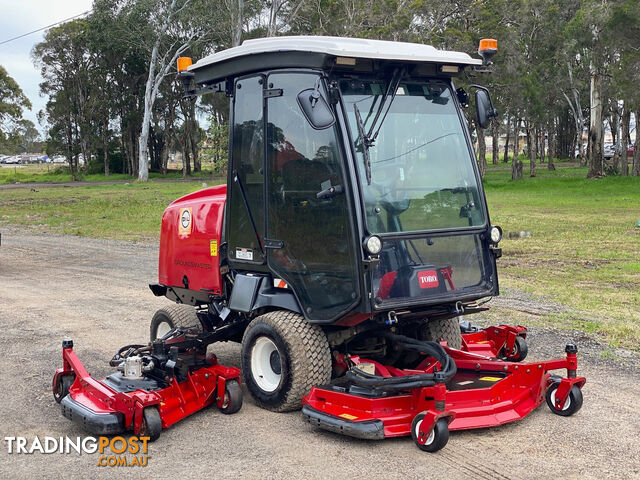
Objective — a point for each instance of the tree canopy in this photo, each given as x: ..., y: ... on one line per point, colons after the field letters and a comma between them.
x: 563, y: 68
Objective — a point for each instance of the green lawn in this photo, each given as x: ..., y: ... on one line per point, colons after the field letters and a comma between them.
x: 583, y: 252
x: 584, y: 248
x: 124, y: 211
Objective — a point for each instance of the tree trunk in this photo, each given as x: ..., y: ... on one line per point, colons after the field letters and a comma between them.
x: 596, y: 160
x: 635, y: 170
x: 495, y: 135
x: 541, y: 143
x: 532, y: 151
x: 624, y: 140
x: 482, y: 151
x: 516, y: 164
x: 506, y: 142
x: 105, y: 157
x: 552, y: 145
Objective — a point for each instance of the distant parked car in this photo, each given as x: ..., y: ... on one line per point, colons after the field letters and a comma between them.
x: 13, y: 160
x: 609, y: 151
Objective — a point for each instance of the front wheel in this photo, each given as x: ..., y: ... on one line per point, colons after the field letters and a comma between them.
x: 151, y: 424
x: 571, y: 405
x: 447, y: 329
x: 232, y: 401
x: 437, y: 438
x: 283, y: 356
x: 62, y: 386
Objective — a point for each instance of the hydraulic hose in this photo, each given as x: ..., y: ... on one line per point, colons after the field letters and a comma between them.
x: 429, y: 349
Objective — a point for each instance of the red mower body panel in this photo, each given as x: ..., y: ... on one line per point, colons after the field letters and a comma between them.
x: 190, y: 239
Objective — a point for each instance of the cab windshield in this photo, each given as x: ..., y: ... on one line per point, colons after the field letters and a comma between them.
x: 421, y: 173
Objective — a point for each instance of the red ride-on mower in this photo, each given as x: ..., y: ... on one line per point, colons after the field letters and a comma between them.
x: 448, y: 389
x: 156, y: 386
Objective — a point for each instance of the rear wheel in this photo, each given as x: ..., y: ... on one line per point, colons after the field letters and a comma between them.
x: 173, y: 316
x: 283, y: 356
x: 447, y: 329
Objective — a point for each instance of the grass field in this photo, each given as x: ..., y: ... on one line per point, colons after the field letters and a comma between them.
x: 583, y: 250
x: 57, y: 173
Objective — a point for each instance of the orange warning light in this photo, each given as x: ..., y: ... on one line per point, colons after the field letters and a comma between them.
x: 184, y: 63
x: 488, y: 44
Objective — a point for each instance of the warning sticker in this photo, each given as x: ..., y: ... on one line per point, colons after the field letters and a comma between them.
x: 244, y: 254
x: 490, y: 379
x: 213, y: 247
x: 347, y: 416
x: 184, y: 221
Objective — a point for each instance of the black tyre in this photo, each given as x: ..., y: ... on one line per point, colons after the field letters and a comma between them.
x: 283, y: 356
x: 571, y: 406
x: 232, y: 398
x: 447, y: 329
x: 174, y: 316
x: 151, y: 424
x: 438, y: 437
x: 519, y: 352
x: 62, y: 387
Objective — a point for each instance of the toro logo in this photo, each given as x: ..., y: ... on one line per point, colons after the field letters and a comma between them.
x: 184, y: 221
x: 428, y: 279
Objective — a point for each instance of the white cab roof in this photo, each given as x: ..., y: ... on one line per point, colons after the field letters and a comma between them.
x: 341, y: 47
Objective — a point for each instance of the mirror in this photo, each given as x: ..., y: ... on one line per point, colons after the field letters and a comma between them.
x: 483, y: 108
x: 315, y: 109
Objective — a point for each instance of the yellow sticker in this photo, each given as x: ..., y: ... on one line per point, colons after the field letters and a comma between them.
x: 347, y: 416
x: 184, y: 221
x: 213, y: 246
x: 490, y: 379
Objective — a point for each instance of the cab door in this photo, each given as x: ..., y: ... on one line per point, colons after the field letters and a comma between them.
x: 245, y: 213
x: 310, y: 239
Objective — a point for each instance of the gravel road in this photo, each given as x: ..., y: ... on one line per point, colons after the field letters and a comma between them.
x: 95, y: 291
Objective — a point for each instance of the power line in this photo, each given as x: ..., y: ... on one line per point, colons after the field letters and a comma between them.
x: 48, y: 26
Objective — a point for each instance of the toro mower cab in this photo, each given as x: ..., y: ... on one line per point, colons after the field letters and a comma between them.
x: 351, y: 234
x: 352, y: 183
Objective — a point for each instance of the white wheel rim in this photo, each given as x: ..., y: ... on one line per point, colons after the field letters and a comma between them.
x: 567, y: 402
x: 431, y: 436
x: 163, y: 329
x: 261, y: 369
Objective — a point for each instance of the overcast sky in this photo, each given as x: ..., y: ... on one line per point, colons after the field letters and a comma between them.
x: 21, y: 16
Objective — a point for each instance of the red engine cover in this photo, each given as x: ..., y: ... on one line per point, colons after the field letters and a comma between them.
x: 190, y: 239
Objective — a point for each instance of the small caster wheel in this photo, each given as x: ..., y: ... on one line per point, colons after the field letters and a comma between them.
x: 232, y: 398
x: 62, y: 386
x: 151, y: 424
x: 438, y: 437
x: 519, y: 352
x: 571, y: 405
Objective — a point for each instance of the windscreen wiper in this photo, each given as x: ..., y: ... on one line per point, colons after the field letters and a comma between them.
x: 392, y: 89
x: 364, y: 143
x: 368, y: 139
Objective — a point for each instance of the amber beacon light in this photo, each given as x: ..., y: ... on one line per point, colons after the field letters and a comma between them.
x: 487, y: 49
x: 184, y: 63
